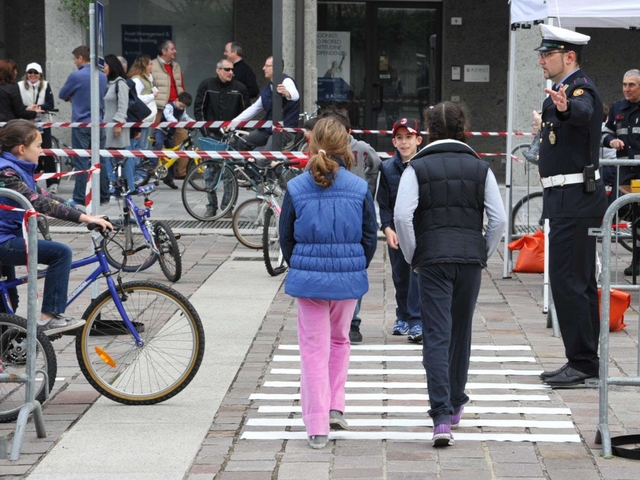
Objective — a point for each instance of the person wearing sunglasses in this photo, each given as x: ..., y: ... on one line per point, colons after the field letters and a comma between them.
x: 220, y: 98
x: 11, y: 105
x: 36, y: 91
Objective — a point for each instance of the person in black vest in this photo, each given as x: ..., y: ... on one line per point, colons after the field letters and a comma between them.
x: 574, y: 199
x: 241, y: 69
x: 290, y: 110
x: 442, y: 197
x: 622, y: 133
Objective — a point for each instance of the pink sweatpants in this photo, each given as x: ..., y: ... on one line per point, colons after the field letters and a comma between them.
x: 323, y: 335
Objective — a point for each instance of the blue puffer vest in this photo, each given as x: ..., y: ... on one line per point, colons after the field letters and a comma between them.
x: 290, y: 108
x: 11, y: 222
x: 328, y: 260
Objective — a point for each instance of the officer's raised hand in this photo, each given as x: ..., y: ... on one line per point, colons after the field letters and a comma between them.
x: 559, y: 98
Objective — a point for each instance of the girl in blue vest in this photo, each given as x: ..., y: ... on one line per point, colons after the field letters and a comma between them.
x: 328, y: 237
x: 20, y: 147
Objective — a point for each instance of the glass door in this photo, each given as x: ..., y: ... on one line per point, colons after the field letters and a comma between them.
x: 405, y: 65
x: 380, y: 61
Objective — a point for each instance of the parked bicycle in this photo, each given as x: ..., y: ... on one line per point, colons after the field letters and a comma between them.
x: 216, y: 178
x: 249, y: 217
x: 138, y: 241
x: 143, y: 342
x: 144, y: 169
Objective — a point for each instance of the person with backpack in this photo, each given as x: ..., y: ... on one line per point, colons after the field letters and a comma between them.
x: 116, y: 104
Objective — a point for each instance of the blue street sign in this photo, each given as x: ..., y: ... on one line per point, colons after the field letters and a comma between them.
x: 99, y: 46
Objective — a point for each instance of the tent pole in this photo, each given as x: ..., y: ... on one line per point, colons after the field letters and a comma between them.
x: 508, y: 194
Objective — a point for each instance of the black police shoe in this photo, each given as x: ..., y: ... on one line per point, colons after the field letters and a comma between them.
x: 354, y: 334
x: 553, y: 373
x: 569, y: 377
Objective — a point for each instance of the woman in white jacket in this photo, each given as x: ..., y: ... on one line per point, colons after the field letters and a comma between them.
x: 140, y: 73
x: 35, y: 90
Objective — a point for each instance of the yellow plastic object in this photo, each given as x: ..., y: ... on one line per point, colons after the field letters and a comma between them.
x: 106, y: 358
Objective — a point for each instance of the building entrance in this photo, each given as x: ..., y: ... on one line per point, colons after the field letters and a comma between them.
x: 379, y: 60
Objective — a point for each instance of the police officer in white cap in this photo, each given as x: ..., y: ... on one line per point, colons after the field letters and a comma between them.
x: 574, y: 199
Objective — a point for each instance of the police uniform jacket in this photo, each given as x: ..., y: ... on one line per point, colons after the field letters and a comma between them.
x: 570, y: 141
x: 624, y: 123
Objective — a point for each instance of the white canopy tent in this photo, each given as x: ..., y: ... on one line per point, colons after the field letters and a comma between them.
x: 566, y: 14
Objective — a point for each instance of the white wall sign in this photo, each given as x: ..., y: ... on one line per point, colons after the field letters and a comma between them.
x: 476, y: 73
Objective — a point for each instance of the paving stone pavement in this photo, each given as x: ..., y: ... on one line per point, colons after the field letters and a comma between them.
x: 508, y: 314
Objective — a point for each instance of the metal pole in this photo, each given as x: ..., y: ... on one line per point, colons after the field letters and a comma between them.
x: 277, y: 71
x: 31, y: 405
x: 95, y: 122
x: 508, y: 194
x: 300, y: 43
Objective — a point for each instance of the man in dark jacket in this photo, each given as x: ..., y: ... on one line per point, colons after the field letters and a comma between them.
x: 574, y: 199
x: 221, y: 97
x: 241, y: 70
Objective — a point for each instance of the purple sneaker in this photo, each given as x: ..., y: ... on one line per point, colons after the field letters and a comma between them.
x: 455, y: 418
x: 442, y: 436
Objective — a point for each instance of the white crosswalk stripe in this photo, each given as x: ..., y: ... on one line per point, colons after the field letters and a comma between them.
x: 366, y: 422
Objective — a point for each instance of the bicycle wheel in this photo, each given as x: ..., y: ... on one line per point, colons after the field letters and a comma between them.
x: 210, y: 191
x: 526, y: 217
x: 144, y: 374
x: 138, y: 258
x: 170, y: 258
x: 13, y: 361
x: 248, y: 221
x: 273, y: 258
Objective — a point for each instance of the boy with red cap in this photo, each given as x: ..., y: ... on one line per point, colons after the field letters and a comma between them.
x: 406, y: 139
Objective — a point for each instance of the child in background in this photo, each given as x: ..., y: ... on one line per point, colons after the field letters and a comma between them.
x: 406, y: 139
x: 366, y: 164
x: 173, y: 112
x: 328, y: 238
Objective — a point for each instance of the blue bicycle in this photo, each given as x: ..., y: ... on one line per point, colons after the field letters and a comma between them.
x: 143, y: 342
x: 138, y: 241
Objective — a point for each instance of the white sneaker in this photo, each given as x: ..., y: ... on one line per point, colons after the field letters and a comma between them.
x: 53, y: 189
x: 60, y: 323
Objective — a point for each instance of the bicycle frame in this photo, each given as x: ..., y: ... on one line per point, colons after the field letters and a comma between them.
x: 101, y: 270
x: 141, y: 216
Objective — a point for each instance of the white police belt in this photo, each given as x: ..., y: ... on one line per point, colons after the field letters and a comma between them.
x: 568, y: 179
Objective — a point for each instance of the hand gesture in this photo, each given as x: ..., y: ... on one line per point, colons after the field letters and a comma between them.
x: 559, y: 98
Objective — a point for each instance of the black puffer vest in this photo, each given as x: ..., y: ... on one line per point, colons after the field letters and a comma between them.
x: 449, y: 217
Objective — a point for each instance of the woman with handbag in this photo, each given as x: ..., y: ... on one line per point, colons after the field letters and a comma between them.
x: 140, y: 73
x: 36, y: 91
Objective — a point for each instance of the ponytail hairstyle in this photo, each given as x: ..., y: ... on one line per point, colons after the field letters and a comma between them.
x: 446, y: 120
x: 17, y: 132
x: 330, y: 140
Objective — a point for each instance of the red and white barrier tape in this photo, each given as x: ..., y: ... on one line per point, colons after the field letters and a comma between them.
x: 216, y: 154
x: 75, y: 152
x: 389, y: 132
x: 216, y: 124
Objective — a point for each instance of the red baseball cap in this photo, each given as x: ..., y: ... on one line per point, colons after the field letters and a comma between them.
x: 410, y: 124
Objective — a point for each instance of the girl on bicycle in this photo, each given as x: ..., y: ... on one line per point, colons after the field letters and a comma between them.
x: 20, y: 147
x: 328, y: 235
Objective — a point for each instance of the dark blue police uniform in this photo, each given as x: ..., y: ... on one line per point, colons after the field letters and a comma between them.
x: 623, y: 123
x: 570, y: 141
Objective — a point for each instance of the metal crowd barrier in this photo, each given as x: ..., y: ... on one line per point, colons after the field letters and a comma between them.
x: 603, y: 434
x: 29, y: 378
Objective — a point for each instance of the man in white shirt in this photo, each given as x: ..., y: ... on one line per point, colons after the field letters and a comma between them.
x: 290, y: 110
